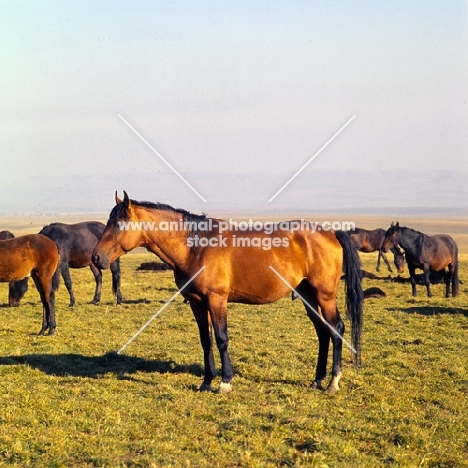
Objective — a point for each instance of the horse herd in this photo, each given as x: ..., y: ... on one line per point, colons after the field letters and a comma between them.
x: 310, y: 264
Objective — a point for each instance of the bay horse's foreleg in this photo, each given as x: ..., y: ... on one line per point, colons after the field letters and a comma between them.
x: 64, y: 269
x: 115, y: 270
x: 385, y: 259
x: 200, y: 311
x: 98, y: 279
x: 427, y: 279
x: 217, y: 306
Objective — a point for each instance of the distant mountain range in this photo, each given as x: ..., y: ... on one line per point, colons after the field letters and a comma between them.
x: 442, y: 194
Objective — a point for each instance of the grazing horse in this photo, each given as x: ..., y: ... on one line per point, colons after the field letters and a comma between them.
x: 371, y: 241
x: 214, y: 263
x: 76, y: 243
x: 428, y: 253
x: 38, y: 256
x: 16, y: 289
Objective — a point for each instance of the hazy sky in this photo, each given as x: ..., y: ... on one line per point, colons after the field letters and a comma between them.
x: 244, y: 86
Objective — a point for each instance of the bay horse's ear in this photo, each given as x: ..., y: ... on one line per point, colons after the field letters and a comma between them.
x: 117, y: 199
x: 397, y: 225
x: 126, y: 200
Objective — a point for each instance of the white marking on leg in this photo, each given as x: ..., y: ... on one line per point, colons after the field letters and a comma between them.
x: 224, y: 387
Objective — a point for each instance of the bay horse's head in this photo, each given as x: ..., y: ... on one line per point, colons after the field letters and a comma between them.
x: 391, y: 237
x: 399, y: 258
x: 119, y: 237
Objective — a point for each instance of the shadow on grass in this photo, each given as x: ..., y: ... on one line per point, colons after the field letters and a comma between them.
x: 430, y: 310
x: 31, y: 304
x: 77, y: 365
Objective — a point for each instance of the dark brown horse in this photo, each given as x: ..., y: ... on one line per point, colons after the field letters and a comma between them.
x: 371, y: 241
x: 222, y: 264
x: 38, y: 256
x: 428, y: 253
x: 76, y: 243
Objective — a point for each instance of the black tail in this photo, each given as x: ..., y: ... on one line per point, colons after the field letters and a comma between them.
x: 354, y: 294
x: 455, y: 279
x: 57, y: 274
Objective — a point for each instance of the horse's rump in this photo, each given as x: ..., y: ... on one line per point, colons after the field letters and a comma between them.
x: 21, y: 255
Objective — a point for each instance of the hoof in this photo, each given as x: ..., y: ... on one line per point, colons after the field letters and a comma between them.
x: 204, y: 387
x: 331, y: 389
x: 317, y: 384
x: 51, y: 331
x: 224, y: 388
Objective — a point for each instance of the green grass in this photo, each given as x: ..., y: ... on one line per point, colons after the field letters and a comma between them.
x: 70, y: 400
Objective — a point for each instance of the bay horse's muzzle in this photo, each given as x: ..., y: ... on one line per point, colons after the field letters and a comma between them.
x: 99, y: 261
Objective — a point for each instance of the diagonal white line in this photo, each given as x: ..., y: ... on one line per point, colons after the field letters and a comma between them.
x: 312, y: 158
x: 159, y: 156
x: 161, y: 309
x: 313, y: 309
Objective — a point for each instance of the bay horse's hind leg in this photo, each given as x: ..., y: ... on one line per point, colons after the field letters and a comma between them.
x: 447, y: 280
x: 47, y: 295
x: 200, y: 311
x: 217, y: 305
x: 67, y: 280
x: 323, y: 313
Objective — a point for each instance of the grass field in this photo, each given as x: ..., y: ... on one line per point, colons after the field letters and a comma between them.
x: 70, y: 400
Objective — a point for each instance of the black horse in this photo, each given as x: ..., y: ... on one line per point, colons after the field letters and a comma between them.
x: 371, y: 241
x: 16, y: 289
x: 428, y: 253
x: 76, y: 243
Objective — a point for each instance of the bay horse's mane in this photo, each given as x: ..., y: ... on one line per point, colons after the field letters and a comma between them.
x: 404, y: 229
x: 120, y: 211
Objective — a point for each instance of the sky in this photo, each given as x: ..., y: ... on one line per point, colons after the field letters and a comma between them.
x: 245, y: 87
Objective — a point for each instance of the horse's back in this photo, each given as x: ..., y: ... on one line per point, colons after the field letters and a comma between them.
x: 76, y: 241
x: 61, y: 232
x: 250, y: 273
x: 437, y: 251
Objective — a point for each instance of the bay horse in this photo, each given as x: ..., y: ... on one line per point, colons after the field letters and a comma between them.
x: 16, y: 289
x: 76, y: 243
x: 38, y: 256
x: 368, y: 241
x: 206, y: 253
x: 428, y: 253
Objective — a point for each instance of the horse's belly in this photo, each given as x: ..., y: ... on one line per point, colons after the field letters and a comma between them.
x: 258, y: 293
x: 265, y: 298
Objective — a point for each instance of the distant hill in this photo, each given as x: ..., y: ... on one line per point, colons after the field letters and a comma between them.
x: 443, y: 194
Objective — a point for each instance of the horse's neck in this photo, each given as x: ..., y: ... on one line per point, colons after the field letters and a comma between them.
x: 410, y: 240
x: 170, y: 245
